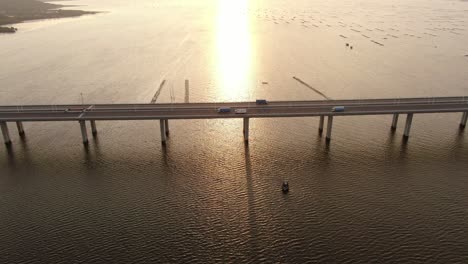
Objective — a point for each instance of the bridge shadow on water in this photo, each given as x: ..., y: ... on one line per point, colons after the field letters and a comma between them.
x: 15, y: 154
x: 10, y: 154
x: 322, y: 149
x: 92, y: 152
x: 396, y: 149
x: 166, y: 152
x: 254, y: 247
x: 19, y: 164
x: 401, y: 149
x: 458, y: 144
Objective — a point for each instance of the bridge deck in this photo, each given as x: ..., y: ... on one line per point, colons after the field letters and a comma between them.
x: 209, y: 110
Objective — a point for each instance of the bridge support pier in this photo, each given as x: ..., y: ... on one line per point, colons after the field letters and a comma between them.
x: 187, y: 91
x: 162, y: 126
x: 93, y: 127
x: 20, y: 127
x: 166, y: 126
x: 322, y: 119
x: 84, y: 134
x: 409, y: 119
x: 395, y: 121
x: 463, y: 120
x: 6, y: 133
x: 329, y: 128
x: 246, y: 129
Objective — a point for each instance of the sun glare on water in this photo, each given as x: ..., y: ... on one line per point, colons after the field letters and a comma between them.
x: 234, y: 51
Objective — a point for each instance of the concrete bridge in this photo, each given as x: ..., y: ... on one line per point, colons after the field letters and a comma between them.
x: 165, y: 112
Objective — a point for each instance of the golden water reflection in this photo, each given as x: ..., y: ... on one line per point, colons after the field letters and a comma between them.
x: 234, y: 51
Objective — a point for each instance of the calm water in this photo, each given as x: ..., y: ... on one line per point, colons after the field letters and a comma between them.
x: 367, y: 197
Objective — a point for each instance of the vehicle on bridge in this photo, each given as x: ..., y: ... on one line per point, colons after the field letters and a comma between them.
x: 338, y: 109
x: 241, y: 111
x: 224, y: 109
x: 261, y: 102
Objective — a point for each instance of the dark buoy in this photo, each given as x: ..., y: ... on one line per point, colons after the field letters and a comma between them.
x: 285, y: 187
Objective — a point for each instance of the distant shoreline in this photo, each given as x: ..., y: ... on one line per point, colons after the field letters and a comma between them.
x: 8, y: 29
x: 15, y: 12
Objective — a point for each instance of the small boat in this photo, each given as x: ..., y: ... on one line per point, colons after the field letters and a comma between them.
x: 285, y: 187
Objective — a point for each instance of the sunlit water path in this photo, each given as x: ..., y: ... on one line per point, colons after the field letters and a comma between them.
x: 206, y: 197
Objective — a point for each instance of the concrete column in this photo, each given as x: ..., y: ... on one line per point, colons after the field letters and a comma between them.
x: 394, y: 121
x: 20, y: 127
x: 322, y: 118
x: 166, y: 126
x: 93, y: 127
x: 162, y: 126
x: 409, y: 119
x: 187, y: 92
x: 246, y: 129
x: 6, y: 134
x: 84, y: 134
x: 329, y: 127
x: 463, y: 120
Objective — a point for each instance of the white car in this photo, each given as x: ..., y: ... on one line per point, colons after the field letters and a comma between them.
x: 241, y: 111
